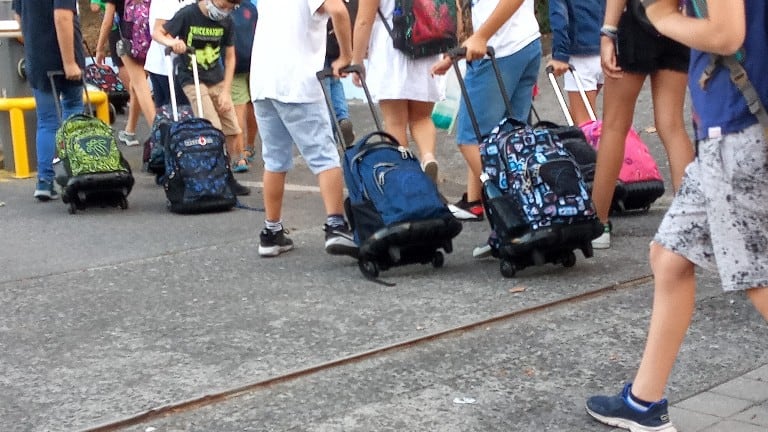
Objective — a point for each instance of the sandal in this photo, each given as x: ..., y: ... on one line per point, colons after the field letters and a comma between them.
x: 240, y: 166
x: 249, y: 154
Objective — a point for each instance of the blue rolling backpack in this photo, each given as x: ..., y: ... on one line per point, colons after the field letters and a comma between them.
x: 395, y: 210
x: 196, y: 175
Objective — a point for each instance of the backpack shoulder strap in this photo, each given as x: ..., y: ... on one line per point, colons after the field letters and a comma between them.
x: 386, y: 24
x: 742, y: 82
x: 737, y: 73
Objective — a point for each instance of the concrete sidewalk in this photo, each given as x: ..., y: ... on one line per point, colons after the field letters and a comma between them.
x: 111, y: 316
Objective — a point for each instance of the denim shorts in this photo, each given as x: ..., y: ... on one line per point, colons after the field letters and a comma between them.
x: 308, y: 125
x: 719, y: 220
x: 519, y: 72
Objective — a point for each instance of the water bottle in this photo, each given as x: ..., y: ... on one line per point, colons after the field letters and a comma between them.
x: 503, y: 211
x: 490, y: 189
x: 445, y: 111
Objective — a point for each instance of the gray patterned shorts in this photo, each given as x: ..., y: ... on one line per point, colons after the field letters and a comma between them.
x: 719, y: 218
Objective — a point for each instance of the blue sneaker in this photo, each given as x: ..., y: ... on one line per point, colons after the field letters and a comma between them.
x: 45, y: 191
x: 614, y: 411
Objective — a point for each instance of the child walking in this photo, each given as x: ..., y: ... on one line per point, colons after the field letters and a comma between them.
x: 288, y: 49
x: 718, y: 220
x: 206, y: 27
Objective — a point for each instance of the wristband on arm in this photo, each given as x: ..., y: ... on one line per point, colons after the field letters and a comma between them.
x: 609, y: 31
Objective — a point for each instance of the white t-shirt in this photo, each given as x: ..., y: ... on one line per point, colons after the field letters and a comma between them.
x: 520, y: 30
x: 163, y: 10
x: 288, y: 49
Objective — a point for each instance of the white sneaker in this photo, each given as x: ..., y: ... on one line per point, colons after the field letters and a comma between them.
x: 483, y: 251
x: 604, y: 241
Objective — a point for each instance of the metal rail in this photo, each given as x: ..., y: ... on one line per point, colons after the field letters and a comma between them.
x: 222, y: 396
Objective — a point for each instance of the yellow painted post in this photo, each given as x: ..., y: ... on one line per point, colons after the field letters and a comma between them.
x: 100, y: 99
x: 19, y: 139
x: 16, y: 108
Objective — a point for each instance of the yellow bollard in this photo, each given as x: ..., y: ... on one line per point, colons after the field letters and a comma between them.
x: 16, y: 108
x: 19, y: 140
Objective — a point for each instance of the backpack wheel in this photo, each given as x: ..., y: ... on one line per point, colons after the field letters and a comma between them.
x: 507, y: 268
x: 72, y: 208
x: 123, y: 203
x: 368, y: 268
x: 438, y: 259
x: 569, y: 259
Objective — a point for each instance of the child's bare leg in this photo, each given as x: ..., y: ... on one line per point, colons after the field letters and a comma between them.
x: 759, y: 297
x: 576, y: 106
x: 471, y: 155
x: 422, y: 128
x: 274, y: 188
x: 395, y: 113
x: 673, y: 304
x: 618, y: 109
x: 668, y: 90
x: 331, y: 182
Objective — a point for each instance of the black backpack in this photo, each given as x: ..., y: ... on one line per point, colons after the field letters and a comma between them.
x: 244, y: 21
x: 332, y: 50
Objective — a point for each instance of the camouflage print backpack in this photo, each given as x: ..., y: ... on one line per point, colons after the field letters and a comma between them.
x: 86, y: 145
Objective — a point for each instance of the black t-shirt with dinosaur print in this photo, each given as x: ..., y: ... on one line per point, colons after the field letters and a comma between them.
x: 207, y: 37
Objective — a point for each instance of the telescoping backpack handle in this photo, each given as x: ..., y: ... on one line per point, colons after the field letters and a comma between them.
x: 356, y: 69
x: 59, y: 110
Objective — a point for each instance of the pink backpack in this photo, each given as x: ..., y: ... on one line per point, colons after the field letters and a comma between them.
x: 639, y: 165
x: 136, y: 16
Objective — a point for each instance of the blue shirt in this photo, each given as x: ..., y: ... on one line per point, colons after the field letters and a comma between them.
x: 721, y: 105
x: 41, y: 47
x: 575, y: 27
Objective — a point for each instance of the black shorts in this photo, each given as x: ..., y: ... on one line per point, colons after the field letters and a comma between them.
x: 114, y: 36
x: 643, y: 52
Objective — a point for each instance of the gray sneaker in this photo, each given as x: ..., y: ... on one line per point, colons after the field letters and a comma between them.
x: 127, y: 138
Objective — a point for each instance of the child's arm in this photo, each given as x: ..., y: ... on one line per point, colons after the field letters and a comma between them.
x: 165, y: 34
x: 230, y: 59
x: 106, y: 27
x: 366, y: 15
x: 64, y: 21
x: 477, y: 44
x: 343, y: 29
x: 559, y: 21
x: 722, y: 32
x: 613, y: 11
x: 225, y: 104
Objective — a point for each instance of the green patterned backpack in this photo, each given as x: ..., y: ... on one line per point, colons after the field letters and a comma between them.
x: 86, y: 145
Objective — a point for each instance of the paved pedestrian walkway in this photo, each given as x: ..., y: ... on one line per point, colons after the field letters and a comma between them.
x: 738, y: 405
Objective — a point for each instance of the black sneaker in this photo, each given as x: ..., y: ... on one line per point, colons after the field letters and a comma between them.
x: 340, y: 241
x: 614, y: 411
x: 239, y: 189
x: 272, y: 244
x: 467, y: 211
